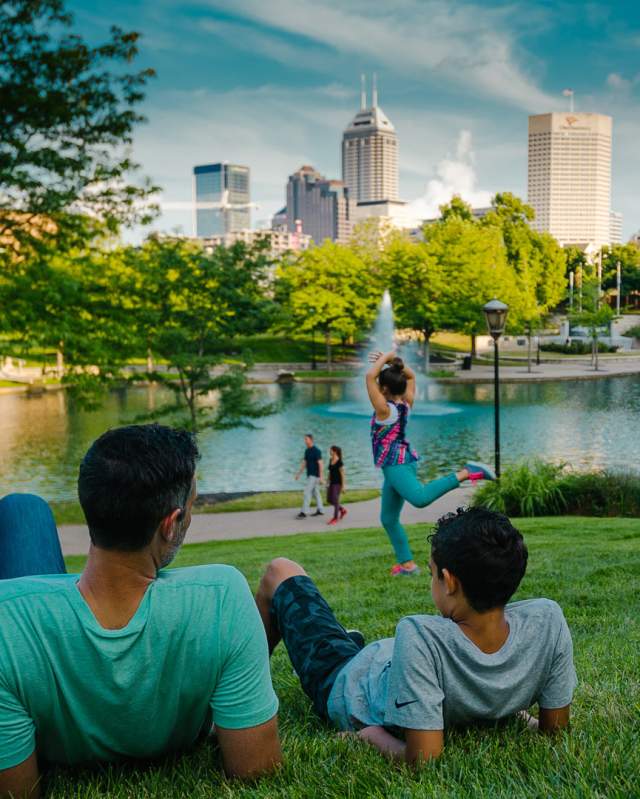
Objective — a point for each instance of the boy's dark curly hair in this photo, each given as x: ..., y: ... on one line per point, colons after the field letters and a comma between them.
x: 484, y: 551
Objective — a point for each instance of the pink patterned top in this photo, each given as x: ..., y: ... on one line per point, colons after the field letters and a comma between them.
x: 390, y: 447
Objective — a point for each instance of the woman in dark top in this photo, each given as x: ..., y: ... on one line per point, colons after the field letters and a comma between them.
x: 336, y: 484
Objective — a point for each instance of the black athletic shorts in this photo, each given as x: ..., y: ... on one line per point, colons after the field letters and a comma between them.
x: 317, y: 643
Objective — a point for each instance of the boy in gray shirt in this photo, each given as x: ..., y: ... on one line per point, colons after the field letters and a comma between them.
x: 481, y: 660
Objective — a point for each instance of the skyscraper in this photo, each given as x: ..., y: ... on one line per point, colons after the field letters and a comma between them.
x: 569, y: 184
x: 616, y: 227
x: 370, y: 153
x: 323, y: 206
x: 221, y: 199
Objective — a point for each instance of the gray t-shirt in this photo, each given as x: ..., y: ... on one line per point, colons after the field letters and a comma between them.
x: 431, y: 676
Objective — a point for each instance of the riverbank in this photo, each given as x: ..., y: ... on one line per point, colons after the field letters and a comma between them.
x: 547, y: 371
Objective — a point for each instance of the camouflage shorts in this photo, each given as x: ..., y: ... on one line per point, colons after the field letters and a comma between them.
x: 317, y: 643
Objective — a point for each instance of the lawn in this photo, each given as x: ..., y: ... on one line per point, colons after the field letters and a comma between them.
x: 70, y: 512
x: 590, y: 566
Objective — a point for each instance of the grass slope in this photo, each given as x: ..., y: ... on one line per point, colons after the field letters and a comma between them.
x: 71, y: 513
x: 590, y: 566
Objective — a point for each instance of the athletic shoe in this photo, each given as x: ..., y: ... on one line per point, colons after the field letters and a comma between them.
x: 343, y: 512
x: 400, y: 571
x: 357, y: 637
x: 479, y: 471
x: 332, y: 521
x: 318, y: 513
x: 301, y: 515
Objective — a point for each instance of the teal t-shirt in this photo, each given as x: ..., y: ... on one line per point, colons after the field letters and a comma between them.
x: 195, y: 652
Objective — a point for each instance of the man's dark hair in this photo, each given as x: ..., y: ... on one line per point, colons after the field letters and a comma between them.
x: 309, y: 435
x: 394, y: 378
x: 131, y: 478
x: 484, y: 551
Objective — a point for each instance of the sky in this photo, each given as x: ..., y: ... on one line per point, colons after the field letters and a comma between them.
x: 273, y: 84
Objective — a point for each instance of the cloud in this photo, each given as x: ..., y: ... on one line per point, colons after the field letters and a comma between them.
x: 463, y: 44
x: 454, y: 175
x: 617, y: 82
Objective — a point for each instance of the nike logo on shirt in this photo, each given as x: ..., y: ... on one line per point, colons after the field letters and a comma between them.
x: 402, y: 704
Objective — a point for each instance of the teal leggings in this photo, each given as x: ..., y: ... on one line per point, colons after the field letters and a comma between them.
x: 401, y: 483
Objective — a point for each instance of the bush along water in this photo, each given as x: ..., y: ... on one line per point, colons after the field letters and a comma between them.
x: 539, y: 488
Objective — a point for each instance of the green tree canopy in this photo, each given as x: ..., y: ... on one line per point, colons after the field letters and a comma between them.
x: 67, y: 114
x: 329, y: 288
x: 186, y: 304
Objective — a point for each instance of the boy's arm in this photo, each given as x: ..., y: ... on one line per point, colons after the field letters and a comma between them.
x: 420, y: 744
x: 551, y: 720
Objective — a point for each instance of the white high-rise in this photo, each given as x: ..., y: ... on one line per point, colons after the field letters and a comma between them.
x: 569, y: 182
x: 370, y: 154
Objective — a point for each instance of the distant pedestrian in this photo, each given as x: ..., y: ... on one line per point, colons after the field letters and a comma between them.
x: 312, y: 463
x: 336, y: 484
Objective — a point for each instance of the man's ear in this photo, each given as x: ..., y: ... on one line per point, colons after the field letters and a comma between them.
x: 451, y: 582
x: 168, y: 524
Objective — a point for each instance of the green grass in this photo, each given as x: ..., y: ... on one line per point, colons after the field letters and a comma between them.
x: 71, y: 512
x: 590, y: 566
x: 310, y: 374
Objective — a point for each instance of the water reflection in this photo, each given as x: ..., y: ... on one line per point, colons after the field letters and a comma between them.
x: 587, y: 424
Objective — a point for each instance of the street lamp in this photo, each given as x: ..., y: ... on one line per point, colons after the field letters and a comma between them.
x: 496, y: 315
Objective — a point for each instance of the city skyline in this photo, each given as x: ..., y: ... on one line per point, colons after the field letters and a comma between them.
x: 275, y: 88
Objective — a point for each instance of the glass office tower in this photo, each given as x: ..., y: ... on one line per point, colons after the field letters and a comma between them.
x: 221, y: 199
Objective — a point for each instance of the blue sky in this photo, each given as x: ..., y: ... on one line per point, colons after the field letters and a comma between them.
x: 272, y: 85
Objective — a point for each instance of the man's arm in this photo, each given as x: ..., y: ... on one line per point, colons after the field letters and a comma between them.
x: 420, y: 744
x: 251, y: 752
x: 320, y: 469
x: 21, y: 781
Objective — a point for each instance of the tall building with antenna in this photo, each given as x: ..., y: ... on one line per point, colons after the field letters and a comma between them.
x: 370, y: 153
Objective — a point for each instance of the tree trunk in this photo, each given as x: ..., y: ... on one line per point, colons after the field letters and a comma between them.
x: 427, y: 351
x: 473, y: 345
x: 60, y: 360
x: 328, y: 343
x: 149, y: 361
x: 529, y: 369
x: 595, y: 352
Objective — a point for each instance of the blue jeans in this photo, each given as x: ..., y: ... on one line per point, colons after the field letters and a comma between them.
x: 29, y: 542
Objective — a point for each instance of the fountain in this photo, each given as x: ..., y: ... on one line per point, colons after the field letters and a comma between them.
x: 383, y: 338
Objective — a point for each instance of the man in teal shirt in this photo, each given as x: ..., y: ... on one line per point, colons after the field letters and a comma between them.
x: 126, y: 659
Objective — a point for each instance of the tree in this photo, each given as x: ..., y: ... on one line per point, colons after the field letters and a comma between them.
x: 628, y: 256
x: 187, y: 304
x: 537, y: 260
x: 594, y: 315
x: 472, y: 260
x: 73, y: 303
x: 417, y: 285
x: 329, y: 288
x: 67, y: 114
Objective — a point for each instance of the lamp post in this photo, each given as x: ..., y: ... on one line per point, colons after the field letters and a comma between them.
x: 496, y: 315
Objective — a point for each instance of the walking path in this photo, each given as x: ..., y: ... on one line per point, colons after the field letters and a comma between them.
x: 558, y: 370
x: 271, y: 523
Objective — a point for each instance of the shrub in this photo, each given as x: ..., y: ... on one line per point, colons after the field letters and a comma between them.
x: 633, y: 332
x: 546, y: 489
x: 606, y: 493
x: 576, y: 347
x: 529, y: 489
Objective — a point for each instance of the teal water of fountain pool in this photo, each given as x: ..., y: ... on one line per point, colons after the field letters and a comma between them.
x: 591, y: 424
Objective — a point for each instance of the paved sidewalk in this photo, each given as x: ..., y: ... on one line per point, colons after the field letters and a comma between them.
x: 270, y: 523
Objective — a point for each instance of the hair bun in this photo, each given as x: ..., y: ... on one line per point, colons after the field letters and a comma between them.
x: 397, y: 364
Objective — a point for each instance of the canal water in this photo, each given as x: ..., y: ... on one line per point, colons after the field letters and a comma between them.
x: 590, y: 424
